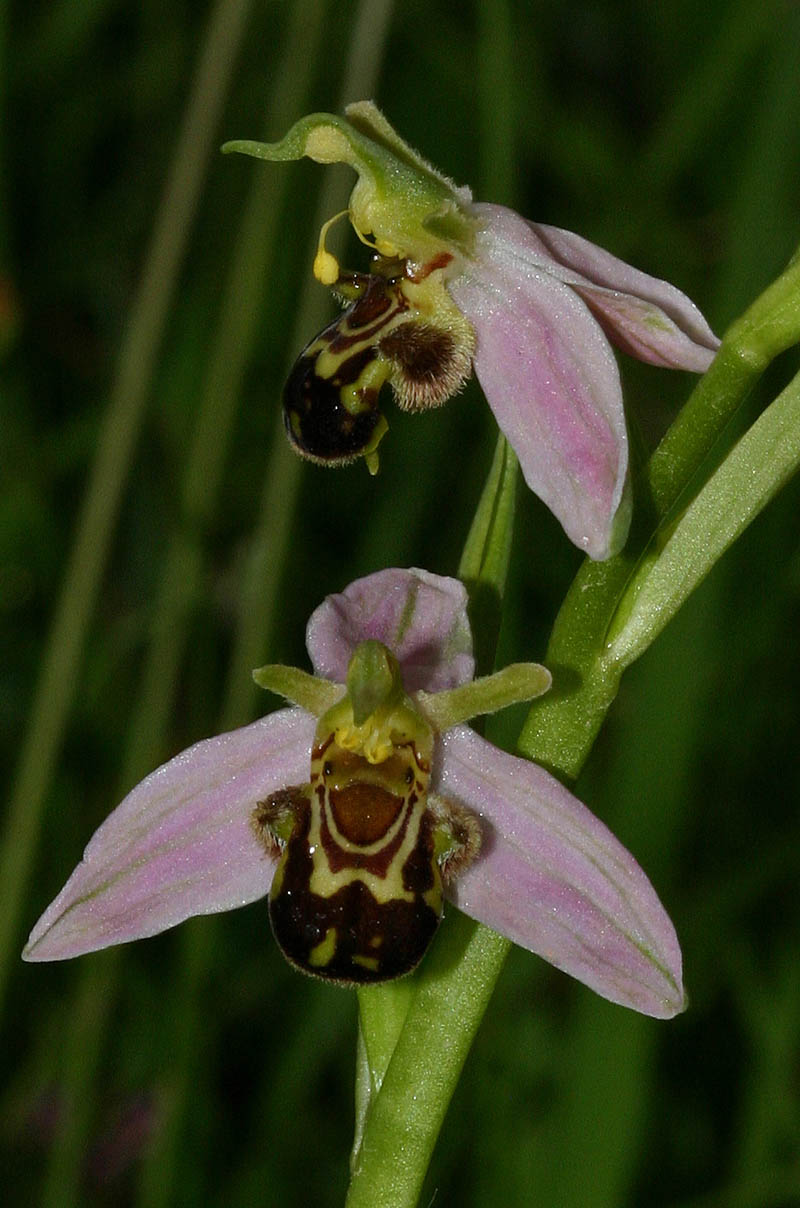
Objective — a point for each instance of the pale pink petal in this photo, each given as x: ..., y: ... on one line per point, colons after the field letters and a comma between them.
x: 180, y: 844
x: 643, y: 315
x: 554, y: 879
x: 551, y: 380
x: 421, y: 617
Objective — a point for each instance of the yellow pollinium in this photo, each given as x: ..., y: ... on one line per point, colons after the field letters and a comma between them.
x: 372, y: 739
x: 326, y: 266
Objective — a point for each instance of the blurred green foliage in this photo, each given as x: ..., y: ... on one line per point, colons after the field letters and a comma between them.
x: 155, y: 532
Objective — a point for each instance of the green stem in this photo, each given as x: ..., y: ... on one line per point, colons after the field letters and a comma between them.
x: 382, y: 1013
x: 762, y: 462
x: 766, y: 329
x: 487, y: 553
x: 450, y: 997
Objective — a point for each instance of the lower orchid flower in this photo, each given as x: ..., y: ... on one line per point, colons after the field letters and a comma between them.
x: 364, y: 803
x: 454, y: 285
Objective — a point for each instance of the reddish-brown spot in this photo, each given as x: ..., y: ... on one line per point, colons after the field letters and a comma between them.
x: 440, y: 261
x: 319, y: 749
x: 364, y: 812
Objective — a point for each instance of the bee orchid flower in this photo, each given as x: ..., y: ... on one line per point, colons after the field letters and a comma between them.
x: 360, y: 806
x: 455, y: 285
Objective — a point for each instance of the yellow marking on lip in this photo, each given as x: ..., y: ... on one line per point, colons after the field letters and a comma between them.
x: 322, y: 953
x: 277, y: 879
x: 389, y: 888
x: 367, y: 962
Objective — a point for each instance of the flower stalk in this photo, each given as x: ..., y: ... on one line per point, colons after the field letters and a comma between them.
x: 452, y: 991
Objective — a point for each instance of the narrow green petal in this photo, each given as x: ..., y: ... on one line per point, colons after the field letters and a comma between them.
x: 308, y: 691
x: 513, y: 684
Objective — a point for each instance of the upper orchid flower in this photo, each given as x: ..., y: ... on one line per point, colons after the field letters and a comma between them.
x: 371, y: 796
x: 455, y: 284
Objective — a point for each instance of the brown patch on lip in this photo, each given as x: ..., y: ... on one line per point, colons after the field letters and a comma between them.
x: 424, y: 355
x: 364, y: 813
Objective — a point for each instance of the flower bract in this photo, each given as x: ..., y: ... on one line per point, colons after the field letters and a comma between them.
x: 383, y: 717
x: 455, y: 285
